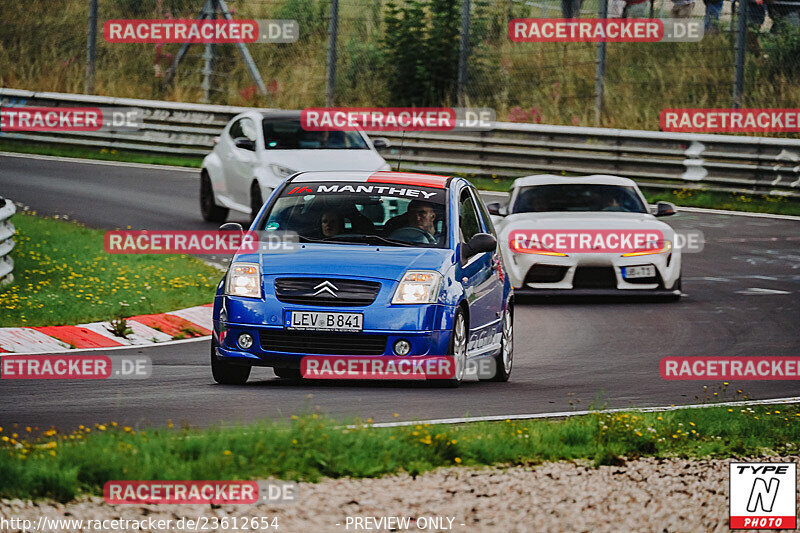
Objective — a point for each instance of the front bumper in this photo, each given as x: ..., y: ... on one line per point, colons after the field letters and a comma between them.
x: 426, y: 327
x: 591, y: 273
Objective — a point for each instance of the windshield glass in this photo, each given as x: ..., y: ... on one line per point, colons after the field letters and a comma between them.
x: 369, y: 213
x: 578, y: 197
x: 288, y: 135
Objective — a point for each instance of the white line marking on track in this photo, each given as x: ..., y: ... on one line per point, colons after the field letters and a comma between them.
x: 758, y: 290
x: 133, y: 346
x: 193, y: 170
x: 564, y: 414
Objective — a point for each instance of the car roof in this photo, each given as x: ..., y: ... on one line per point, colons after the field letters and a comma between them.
x: 281, y: 115
x: 594, y: 179
x: 383, y: 176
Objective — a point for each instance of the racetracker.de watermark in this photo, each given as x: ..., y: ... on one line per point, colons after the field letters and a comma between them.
x: 221, y: 31
x: 750, y: 368
x: 199, y: 492
x: 44, y: 119
x: 199, y: 242
x: 730, y: 120
x: 633, y: 242
x: 397, y: 119
x: 75, y: 367
x: 555, y: 30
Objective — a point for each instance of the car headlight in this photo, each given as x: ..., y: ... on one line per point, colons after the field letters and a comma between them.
x: 658, y: 247
x: 244, y: 279
x: 281, y: 171
x: 418, y: 287
x: 533, y: 248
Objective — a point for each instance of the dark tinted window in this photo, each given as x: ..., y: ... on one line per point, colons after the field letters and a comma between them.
x: 468, y: 221
x: 578, y: 197
x: 288, y: 135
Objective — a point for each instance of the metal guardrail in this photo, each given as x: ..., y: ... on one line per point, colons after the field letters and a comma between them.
x: 758, y: 165
x: 7, y: 230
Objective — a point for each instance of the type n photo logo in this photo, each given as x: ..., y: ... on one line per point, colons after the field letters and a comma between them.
x: 763, y: 495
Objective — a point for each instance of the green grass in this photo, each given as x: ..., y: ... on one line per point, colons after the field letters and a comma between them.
x: 61, y: 466
x: 130, y: 156
x: 63, y: 275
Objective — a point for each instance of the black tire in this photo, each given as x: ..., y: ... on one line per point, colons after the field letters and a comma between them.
x: 208, y: 206
x: 503, y: 361
x: 255, y: 200
x: 227, y: 373
x: 458, y: 342
x: 293, y: 374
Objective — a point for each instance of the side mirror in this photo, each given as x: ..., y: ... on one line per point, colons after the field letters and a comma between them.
x: 665, y: 209
x: 245, y: 144
x: 478, y: 244
x: 495, y: 208
x: 381, y: 143
x: 231, y: 226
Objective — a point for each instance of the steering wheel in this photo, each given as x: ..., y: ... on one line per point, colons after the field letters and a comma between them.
x: 412, y: 234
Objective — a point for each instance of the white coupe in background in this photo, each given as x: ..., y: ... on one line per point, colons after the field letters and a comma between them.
x: 257, y: 150
x: 547, y: 203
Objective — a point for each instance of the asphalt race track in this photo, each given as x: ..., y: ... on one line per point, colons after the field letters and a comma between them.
x: 741, y: 300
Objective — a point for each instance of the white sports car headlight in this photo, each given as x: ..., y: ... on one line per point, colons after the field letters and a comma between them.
x: 418, y: 287
x: 244, y: 279
x: 281, y: 171
x: 654, y: 247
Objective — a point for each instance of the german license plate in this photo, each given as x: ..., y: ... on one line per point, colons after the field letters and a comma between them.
x: 323, y: 321
x: 648, y: 271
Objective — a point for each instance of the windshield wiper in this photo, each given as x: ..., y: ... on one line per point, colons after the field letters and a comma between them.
x: 328, y: 240
x: 360, y: 237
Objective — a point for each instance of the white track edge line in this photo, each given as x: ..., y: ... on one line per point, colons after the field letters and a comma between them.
x: 565, y: 414
x: 194, y: 170
x: 126, y: 347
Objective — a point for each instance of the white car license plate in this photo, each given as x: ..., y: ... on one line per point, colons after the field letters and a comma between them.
x: 324, y: 321
x: 648, y: 271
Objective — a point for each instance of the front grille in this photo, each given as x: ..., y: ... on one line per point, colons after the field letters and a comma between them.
x: 594, y: 278
x: 326, y: 292
x: 323, y: 343
x: 545, y: 274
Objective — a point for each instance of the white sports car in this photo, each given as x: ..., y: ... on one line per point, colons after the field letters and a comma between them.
x: 257, y: 150
x: 587, y: 235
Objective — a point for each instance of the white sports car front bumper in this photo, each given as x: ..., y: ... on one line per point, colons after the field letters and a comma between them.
x: 592, y: 271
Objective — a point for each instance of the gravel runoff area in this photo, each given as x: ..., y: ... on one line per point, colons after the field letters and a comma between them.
x: 664, y: 495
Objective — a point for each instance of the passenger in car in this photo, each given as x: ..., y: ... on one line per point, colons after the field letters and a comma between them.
x: 331, y: 223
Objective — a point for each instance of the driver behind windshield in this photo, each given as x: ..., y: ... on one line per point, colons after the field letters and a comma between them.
x: 422, y: 215
x: 420, y: 224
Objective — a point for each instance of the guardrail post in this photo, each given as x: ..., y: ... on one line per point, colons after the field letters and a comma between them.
x: 463, y: 53
x: 333, y: 33
x: 208, y: 57
x: 741, y: 45
x: 600, y: 72
x: 91, y: 48
x: 7, y: 230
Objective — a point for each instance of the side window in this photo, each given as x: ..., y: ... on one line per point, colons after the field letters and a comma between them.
x: 487, y: 218
x: 468, y: 221
x: 236, y: 129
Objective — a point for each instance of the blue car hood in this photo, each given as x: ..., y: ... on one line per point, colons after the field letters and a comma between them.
x: 378, y: 262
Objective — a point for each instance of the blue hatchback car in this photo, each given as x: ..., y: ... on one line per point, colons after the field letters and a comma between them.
x: 386, y: 264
